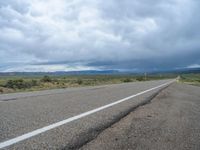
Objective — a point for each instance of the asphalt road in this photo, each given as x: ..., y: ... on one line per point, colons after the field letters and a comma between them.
x: 23, y: 113
x: 171, y: 121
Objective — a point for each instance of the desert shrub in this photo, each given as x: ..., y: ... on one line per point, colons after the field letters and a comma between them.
x: 55, y: 80
x: 79, y: 81
x: 182, y: 78
x: 33, y: 82
x: 140, y: 78
x: 17, y: 84
x: 46, y: 79
x: 20, y: 84
x: 127, y: 80
x: 198, y: 80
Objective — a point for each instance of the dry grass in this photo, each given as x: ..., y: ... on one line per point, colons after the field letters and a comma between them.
x: 32, y: 83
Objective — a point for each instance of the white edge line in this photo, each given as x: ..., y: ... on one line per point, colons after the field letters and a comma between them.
x: 57, y: 124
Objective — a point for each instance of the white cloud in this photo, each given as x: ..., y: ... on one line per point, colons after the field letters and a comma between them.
x: 95, y: 31
x: 48, y: 68
x: 194, y: 66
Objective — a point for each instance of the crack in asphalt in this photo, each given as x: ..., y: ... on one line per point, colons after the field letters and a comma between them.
x: 92, y: 134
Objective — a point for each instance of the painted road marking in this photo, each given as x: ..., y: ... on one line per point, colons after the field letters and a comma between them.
x: 60, y: 123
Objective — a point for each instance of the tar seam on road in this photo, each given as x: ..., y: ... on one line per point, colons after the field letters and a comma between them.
x: 60, y: 123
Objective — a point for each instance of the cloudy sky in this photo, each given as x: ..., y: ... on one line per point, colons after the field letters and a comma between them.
x: 55, y: 35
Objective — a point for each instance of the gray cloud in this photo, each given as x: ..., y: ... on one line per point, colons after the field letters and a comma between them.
x: 50, y: 35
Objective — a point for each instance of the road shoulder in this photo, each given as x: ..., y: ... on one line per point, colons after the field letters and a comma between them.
x: 170, y: 121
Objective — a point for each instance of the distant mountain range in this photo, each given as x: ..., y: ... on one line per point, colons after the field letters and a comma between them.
x: 86, y: 72
x: 99, y: 72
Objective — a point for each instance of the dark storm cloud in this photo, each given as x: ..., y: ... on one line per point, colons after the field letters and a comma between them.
x: 41, y: 35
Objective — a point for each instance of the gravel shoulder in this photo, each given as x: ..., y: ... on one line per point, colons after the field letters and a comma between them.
x: 171, y: 121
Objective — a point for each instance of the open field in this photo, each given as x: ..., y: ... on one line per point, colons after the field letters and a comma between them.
x: 193, y: 79
x: 10, y: 84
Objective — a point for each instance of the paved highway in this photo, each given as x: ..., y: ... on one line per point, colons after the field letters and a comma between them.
x: 171, y: 121
x: 67, y: 118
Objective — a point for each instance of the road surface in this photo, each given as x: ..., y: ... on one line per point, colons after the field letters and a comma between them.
x: 59, y: 119
x: 171, y: 121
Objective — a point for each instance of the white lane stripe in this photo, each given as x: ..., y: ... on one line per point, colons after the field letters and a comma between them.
x: 52, y: 126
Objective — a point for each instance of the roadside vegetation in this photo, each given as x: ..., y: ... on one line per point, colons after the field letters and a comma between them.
x: 9, y: 84
x: 193, y: 79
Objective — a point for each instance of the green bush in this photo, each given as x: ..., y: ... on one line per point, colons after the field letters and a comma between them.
x: 46, y: 79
